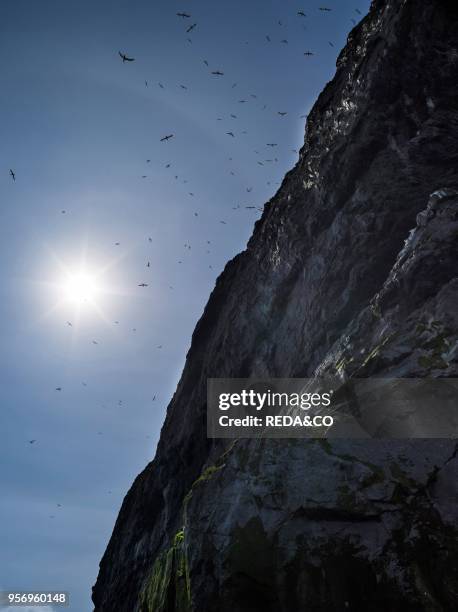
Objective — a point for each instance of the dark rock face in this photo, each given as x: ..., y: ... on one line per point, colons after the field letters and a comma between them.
x: 352, y: 270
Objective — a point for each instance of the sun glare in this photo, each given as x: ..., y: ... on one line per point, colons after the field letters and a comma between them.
x: 80, y: 288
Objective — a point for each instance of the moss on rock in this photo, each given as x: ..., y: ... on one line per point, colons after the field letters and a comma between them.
x: 167, y: 588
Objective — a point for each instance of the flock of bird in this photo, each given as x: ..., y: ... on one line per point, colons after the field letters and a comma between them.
x: 125, y: 58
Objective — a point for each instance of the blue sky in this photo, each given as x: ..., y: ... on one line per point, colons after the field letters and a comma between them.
x: 78, y: 126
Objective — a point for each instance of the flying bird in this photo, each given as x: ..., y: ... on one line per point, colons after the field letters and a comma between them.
x: 271, y: 144
x: 309, y: 53
x: 205, y: 62
x: 184, y: 15
x: 282, y: 114
x: 124, y: 57
x: 32, y: 441
x: 143, y: 285
x: 168, y: 137
x: 325, y: 9
x: 12, y: 174
x: 58, y: 388
x: 218, y: 72
x: 230, y: 134
x: 301, y: 14
x: 191, y: 27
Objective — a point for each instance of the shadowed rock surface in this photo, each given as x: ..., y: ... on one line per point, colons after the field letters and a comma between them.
x: 352, y: 270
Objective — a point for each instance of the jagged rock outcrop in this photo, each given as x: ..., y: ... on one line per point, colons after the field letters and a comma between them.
x: 327, y: 284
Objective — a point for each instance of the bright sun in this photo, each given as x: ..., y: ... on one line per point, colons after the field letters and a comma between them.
x: 80, y: 288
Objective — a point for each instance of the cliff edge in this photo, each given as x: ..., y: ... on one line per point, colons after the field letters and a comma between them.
x: 352, y: 270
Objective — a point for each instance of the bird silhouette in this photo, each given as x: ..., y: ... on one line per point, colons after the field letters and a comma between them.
x: 191, y: 27
x: 13, y: 175
x: 301, y: 14
x: 32, y: 441
x: 143, y: 285
x: 184, y: 15
x: 165, y: 138
x: 282, y: 114
x: 125, y: 58
x: 325, y: 9
x: 218, y: 72
x: 230, y: 134
x: 309, y: 53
